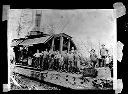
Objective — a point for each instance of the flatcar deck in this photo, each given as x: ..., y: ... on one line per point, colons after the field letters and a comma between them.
x: 64, y: 79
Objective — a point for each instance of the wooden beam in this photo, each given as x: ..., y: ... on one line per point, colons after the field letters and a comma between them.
x: 61, y: 44
x: 53, y: 43
x: 68, y: 45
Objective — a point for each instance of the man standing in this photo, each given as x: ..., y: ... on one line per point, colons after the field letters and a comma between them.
x: 57, y: 58
x: 55, y: 61
x: 103, y: 53
x: 37, y: 55
x: 66, y: 61
x: 45, y: 59
x: 93, y: 57
x: 29, y: 61
x: 61, y: 62
x: 51, y: 61
x: 76, y: 59
x: 71, y: 61
x: 42, y: 60
x: 63, y: 59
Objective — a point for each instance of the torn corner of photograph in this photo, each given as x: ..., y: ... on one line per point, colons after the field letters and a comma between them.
x: 119, y: 86
x: 119, y: 51
x: 119, y: 9
x: 5, y: 12
x: 6, y: 87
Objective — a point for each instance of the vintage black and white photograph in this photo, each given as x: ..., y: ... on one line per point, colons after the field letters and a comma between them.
x: 52, y: 49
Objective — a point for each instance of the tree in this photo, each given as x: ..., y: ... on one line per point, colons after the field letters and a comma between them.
x: 24, y: 22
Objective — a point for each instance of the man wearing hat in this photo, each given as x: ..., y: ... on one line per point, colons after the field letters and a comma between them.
x: 93, y: 57
x: 37, y: 56
x: 103, y: 53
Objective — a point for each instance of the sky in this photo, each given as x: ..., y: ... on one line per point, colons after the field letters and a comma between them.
x: 92, y: 25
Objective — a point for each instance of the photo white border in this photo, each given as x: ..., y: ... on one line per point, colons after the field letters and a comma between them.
x: 114, y: 53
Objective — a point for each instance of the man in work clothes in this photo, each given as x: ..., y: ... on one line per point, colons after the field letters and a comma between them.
x: 61, y: 63
x: 42, y: 60
x: 70, y: 61
x: 73, y: 52
x: 45, y: 59
x: 93, y: 57
x: 103, y: 53
x: 78, y: 62
x: 55, y: 60
x: 37, y: 55
x: 57, y: 57
x: 65, y: 60
x: 51, y: 60
x: 76, y: 58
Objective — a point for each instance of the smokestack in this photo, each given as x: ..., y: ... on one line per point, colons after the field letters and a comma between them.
x: 36, y: 29
x: 37, y: 20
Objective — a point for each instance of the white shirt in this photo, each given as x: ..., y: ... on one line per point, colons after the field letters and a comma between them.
x: 107, y: 60
x: 37, y: 54
x: 103, y: 52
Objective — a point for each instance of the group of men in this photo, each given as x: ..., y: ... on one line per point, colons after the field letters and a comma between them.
x: 68, y: 61
x: 54, y: 60
x: 105, y: 57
